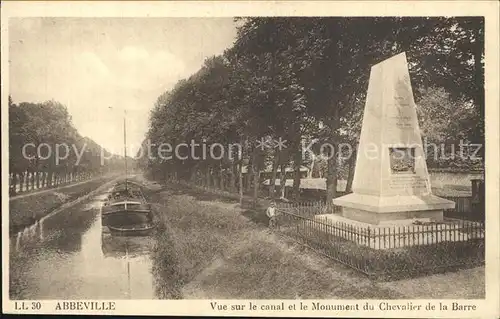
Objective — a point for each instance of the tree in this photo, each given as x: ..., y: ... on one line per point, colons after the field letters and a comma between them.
x: 305, y: 79
x: 445, y: 124
x: 36, y: 132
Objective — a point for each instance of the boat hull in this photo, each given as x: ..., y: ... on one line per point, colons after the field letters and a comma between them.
x: 127, y: 213
x: 142, y: 230
x: 126, y: 218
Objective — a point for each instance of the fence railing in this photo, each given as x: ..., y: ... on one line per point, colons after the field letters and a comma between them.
x: 382, y: 237
x: 388, y: 251
x: 28, y: 182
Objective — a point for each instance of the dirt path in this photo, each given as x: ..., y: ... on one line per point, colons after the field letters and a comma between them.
x: 225, y: 252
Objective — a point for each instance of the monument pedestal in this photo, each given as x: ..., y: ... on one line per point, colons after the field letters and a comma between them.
x: 379, y: 210
x: 381, y: 218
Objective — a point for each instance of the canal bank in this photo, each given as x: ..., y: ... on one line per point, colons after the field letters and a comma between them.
x: 67, y: 256
x: 25, y: 210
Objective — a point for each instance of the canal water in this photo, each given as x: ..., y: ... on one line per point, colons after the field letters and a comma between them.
x: 67, y: 256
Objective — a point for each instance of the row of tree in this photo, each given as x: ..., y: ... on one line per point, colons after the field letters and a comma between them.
x: 45, y: 149
x: 305, y: 79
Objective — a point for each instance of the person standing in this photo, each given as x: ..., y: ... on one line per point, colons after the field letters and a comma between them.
x: 271, y: 214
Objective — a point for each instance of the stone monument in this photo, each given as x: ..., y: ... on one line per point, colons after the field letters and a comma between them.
x: 391, y: 181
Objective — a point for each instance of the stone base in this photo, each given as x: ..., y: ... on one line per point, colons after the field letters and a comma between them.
x: 397, y: 234
x: 404, y: 217
x: 387, y: 204
x: 381, y: 209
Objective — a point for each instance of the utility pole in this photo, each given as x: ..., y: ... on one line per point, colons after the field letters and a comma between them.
x: 125, y: 143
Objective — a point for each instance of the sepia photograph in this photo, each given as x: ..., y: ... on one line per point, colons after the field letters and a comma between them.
x: 334, y: 158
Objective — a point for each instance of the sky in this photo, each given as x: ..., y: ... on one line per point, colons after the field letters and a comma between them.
x: 92, y: 64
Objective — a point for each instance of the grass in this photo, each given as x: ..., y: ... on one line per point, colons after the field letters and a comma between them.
x: 26, y: 210
x: 208, y: 249
x: 401, y: 263
x: 383, y: 264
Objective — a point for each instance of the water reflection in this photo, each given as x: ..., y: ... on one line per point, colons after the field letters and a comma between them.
x: 68, y: 257
x: 120, y: 247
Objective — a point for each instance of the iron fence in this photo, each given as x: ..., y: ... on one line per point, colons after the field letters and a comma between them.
x: 387, y: 251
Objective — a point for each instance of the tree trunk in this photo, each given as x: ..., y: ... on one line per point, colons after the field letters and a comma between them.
x: 249, y: 174
x: 21, y: 181
x: 50, y: 175
x: 32, y: 180
x: 207, y: 177
x: 331, y: 180
x: 14, y: 183
x: 240, y: 181
x: 213, y: 178
x: 37, y: 179
x: 232, y: 181
x: 42, y: 179
x: 221, y: 178
x: 297, y: 163
x: 331, y: 177
x: 256, y: 177
x: 479, y: 96
x: 350, y: 175
x: 272, y: 181
x: 192, y: 176
x: 282, y: 179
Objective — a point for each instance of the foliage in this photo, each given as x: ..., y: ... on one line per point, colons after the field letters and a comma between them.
x: 444, y: 122
x: 47, y: 127
x: 305, y: 79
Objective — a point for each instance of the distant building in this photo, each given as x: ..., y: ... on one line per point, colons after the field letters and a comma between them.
x: 312, y: 188
x: 268, y: 172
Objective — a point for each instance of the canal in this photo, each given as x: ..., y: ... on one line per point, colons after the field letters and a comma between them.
x: 67, y: 256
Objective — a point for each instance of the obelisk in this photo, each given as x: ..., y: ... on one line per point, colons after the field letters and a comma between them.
x: 391, y: 181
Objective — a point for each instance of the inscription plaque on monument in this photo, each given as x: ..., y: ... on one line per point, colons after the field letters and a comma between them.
x: 407, y: 181
x: 402, y: 160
